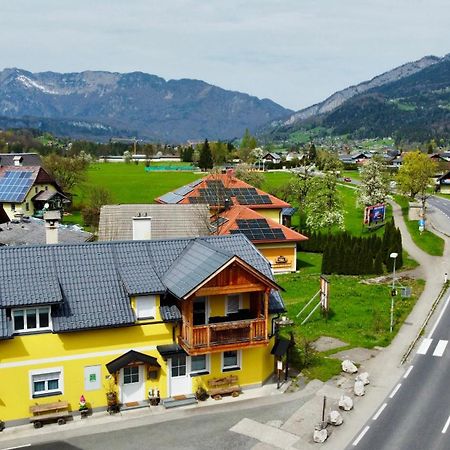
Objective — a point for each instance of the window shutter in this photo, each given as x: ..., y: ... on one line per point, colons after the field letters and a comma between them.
x: 145, y: 307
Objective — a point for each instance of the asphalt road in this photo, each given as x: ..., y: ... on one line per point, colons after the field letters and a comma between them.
x: 200, y: 430
x: 443, y: 205
x: 416, y: 414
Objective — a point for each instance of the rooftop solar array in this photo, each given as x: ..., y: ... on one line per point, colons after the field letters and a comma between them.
x: 215, y: 193
x: 171, y: 198
x: 258, y: 230
x: 14, y: 185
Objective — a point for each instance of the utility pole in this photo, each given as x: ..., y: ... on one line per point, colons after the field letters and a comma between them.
x: 393, y: 293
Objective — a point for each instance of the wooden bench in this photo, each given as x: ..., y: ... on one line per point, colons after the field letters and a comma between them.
x: 222, y: 386
x: 49, y: 412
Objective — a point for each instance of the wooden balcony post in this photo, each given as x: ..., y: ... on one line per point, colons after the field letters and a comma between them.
x: 266, y: 312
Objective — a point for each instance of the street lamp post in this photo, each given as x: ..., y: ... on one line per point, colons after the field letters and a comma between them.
x: 394, y: 257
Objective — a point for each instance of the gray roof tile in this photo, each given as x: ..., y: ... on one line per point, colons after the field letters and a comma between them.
x: 170, y: 313
x: 94, y: 281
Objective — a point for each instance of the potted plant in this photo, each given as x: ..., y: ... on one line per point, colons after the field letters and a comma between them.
x: 111, y: 397
x: 201, y: 394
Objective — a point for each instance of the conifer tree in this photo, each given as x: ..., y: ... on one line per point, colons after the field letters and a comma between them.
x: 205, y: 160
x: 378, y: 264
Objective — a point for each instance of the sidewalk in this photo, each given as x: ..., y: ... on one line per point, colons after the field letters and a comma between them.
x: 130, y: 418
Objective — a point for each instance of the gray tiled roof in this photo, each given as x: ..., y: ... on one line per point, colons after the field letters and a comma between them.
x: 170, y: 313
x: 194, y: 265
x: 94, y: 281
x: 26, y: 281
x: 32, y: 231
x: 29, y: 159
x: 167, y: 221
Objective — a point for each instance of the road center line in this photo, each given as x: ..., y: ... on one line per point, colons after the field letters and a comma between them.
x: 408, y: 372
x: 375, y: 417
x: 440, y: 348
x: 395, y: 390
x: 444, y: 430
x: 361, y: 435
x: 440, y: 317
x: 424, y: 346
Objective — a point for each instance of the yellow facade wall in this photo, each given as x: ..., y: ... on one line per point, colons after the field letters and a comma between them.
x: 22, y: 206
x: 273, y: 252
x: 74, y: 351
x: 217, y: 304
x: 274, y: 214
x: 257, y: 364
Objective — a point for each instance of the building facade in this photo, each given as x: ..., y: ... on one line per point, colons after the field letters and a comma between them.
x: 132, y: 318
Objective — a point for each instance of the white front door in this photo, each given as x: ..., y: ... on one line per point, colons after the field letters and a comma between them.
x: 180, y: 380
x: 132, y: 384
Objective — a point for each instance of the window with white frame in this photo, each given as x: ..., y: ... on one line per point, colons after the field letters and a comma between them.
x: 233, y: 304
x: 146, y: 307
x: 31, y: 319
x: 231, y: 360
x: 199, y: 365
x: 46, y: 382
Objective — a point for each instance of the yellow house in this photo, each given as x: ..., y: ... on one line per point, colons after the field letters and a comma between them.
x: 135, y: 318
x: 24, y: 190
x: 275, y: 241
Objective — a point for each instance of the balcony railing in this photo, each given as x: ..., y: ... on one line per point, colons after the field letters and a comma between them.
x: 253, y: 331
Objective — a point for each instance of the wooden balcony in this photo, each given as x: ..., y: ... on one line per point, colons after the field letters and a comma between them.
x: 219, y: 337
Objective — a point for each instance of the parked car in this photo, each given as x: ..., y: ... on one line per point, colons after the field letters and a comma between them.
x: 347, y: 179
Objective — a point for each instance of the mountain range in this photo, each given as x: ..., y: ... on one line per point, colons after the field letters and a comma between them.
x: 410, y: 103
x: 100, y: 105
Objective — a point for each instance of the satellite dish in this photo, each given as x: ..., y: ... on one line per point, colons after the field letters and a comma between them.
x: 46, y: 206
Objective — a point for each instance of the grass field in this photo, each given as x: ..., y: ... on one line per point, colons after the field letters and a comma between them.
x: 427, y: 241
x: 130, y: 183
x: 359, y: 313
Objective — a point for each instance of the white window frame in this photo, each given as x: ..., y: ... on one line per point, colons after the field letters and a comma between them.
x: 205, y: 371
x: 150, y: 298
x: 47, y: 393
x: 238, y: 366
x: 227, y: 303
x: 38, y: 328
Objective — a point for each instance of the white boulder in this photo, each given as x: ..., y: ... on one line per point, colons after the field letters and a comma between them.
x: 345, y: 403
x: 349, y: 366
x: 335, y: 418
x: 359, y: 389
x: 364, y: 377
x: 320, y: 435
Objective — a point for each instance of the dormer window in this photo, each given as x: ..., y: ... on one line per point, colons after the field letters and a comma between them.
x: 31, y: 319
x: 145, y: 307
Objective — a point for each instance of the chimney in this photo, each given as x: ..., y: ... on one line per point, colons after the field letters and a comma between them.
x: 18, y: 161
x: 52, y: 219
x: 142, y: 227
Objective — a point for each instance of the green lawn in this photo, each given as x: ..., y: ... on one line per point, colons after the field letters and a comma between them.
x: 353, y: 174
x: 359, y: 313
x: 427, y: 241
x: 130, y: 183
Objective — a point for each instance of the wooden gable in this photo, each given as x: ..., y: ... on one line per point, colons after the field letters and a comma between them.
x: 233, y: 279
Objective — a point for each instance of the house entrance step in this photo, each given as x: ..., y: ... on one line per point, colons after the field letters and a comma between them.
x: 134, y: 405
x: 179, y: 400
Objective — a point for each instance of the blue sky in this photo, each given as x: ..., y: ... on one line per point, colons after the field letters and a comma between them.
x: 295, y: 52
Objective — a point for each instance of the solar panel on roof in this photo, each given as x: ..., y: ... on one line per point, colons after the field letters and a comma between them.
x: 196, y: 182
x: 184, y: 190
x: 171, y: 198
x: 14, y: 185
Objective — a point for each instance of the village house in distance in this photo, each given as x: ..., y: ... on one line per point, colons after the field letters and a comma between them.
x: 237, y: 207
